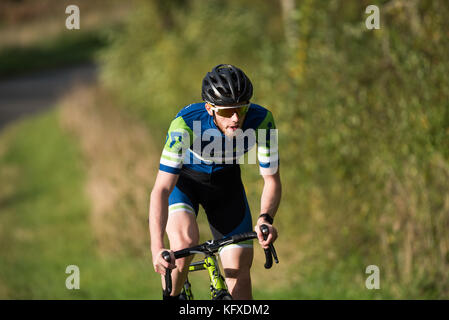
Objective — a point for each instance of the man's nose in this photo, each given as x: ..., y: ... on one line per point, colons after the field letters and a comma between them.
x: 235, y: 117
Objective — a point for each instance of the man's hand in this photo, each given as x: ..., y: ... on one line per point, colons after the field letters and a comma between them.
x: 272, y: 236
x: 159, y: 263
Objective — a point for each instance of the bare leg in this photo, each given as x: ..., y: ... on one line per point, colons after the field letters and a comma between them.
x: 237, y: 263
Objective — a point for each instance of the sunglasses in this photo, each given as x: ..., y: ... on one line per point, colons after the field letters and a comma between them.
x: 228, y: 112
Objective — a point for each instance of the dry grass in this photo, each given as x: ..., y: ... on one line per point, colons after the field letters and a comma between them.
x: 121, y: 167
x: 418, y: 219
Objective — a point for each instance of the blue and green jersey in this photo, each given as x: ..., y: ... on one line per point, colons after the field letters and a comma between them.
x: 194, y: 141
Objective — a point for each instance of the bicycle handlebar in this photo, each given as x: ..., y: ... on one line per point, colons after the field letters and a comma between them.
x: 243, y: 237
x: 213, y: 246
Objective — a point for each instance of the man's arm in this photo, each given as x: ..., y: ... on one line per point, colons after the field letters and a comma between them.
x: 271, y: 194
x: 158, y: 216
x: 270, y: 199
x: 178, y: 140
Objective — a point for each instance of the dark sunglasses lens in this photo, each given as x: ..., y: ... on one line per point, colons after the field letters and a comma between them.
x: 228, y: 113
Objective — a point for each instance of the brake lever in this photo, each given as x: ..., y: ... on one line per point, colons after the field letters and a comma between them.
x: 270, y: 252
x: 168, y: 280
x: 273, y: 252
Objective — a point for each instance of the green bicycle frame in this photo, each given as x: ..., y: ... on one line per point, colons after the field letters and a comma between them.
x: 217, y: 282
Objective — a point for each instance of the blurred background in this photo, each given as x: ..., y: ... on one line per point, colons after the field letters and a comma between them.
x: 363, y: 118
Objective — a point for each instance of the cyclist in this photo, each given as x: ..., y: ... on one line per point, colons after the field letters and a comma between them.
x: 198, y: 167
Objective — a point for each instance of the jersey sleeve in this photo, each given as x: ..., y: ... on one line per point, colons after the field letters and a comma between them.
x: 178, y: 140
x: 267, y: 146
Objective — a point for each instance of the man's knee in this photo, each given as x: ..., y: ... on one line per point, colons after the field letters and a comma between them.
x: 243, y: 273
x: 239, y: 283
x: 237, y: 263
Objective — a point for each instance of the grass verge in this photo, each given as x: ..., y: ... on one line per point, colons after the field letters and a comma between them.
x: 45, y: 222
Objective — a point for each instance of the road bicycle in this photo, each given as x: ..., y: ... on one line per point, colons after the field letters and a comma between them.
x: 218, y: 288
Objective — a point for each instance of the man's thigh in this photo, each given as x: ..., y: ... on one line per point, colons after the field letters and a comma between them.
x: 182, y: 230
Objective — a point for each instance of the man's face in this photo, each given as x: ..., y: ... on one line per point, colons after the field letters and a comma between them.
x: 230, y: 123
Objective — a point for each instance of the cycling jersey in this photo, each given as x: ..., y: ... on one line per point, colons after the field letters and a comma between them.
x: 194, y: 141
x: 207, y: 162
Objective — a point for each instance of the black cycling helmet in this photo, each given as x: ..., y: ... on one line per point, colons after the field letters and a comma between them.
x: 226, y: 85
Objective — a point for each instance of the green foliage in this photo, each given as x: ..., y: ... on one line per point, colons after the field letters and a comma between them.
x: 156, y: 65
x: 363, y: 117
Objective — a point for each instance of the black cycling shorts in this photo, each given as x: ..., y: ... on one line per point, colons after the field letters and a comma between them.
x: 220, y: 193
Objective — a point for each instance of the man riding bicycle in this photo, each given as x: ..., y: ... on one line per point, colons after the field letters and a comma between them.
x: 200, y: 165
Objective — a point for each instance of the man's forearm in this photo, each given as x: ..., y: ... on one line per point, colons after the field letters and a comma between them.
x: 158, y: 216
x: 271, y: 196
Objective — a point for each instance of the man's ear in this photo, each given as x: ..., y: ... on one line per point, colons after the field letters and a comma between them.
x: 208, y: 108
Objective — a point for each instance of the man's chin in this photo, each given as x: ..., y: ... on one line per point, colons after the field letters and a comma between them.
x: 233, y: 132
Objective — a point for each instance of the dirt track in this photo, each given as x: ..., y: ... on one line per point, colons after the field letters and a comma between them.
x: 24, y: 95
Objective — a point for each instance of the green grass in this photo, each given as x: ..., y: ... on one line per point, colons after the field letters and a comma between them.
x: 45, y: 222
